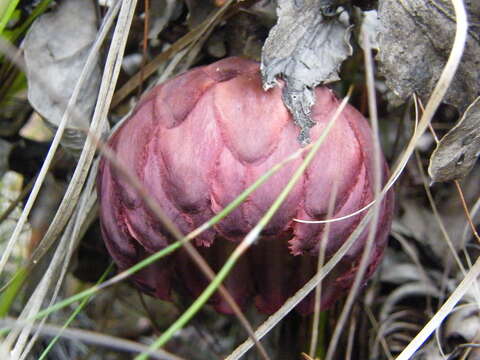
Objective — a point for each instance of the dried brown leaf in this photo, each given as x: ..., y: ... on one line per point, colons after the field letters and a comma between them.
x: 415, y: 39
x: 56, y: 49
x: 457, y: 152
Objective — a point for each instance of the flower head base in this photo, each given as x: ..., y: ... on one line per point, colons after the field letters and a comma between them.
x: 196, y: 142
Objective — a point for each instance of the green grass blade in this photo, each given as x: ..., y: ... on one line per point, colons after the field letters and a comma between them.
x: 16, y: 33
x: 7, y: 8
x: 10, y: 294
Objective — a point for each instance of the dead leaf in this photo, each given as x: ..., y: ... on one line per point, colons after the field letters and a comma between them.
x: 305, y: 48
x: 415, y: 40
x: 56, y: 48
x: 457, y: 152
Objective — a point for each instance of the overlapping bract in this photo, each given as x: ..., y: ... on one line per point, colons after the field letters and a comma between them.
x: 196, y: 142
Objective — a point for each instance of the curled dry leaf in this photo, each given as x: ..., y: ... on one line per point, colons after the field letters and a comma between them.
x: 56, y: 49
x: 457, y: 152
x: 415, y: 40
x: 305, y: 48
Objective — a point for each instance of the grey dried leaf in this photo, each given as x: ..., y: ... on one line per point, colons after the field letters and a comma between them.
x: 415, y: 40
x: 56, y: 49
x: 305, y: 48
x: 457, y: 152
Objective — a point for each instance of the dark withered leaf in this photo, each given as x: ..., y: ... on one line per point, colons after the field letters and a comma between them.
x: 305, y: 48
x: 415, y: 40
x: 457, y: 152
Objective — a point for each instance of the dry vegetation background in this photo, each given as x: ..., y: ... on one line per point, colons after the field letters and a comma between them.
x: 51, y: 248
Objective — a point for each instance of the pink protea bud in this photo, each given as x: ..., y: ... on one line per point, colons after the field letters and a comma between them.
x: 196, y: 142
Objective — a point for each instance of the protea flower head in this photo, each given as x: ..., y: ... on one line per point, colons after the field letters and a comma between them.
x: 196, y: 142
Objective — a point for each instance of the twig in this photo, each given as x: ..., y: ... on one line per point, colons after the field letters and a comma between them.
x: 91, y: 337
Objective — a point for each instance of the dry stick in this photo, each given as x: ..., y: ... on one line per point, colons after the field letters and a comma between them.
x: 146, y: 26
x: 173, y: 229
x: 91, y: 337
x: 467, y: 211
x: 377, y: 179
x: 473, y: 212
